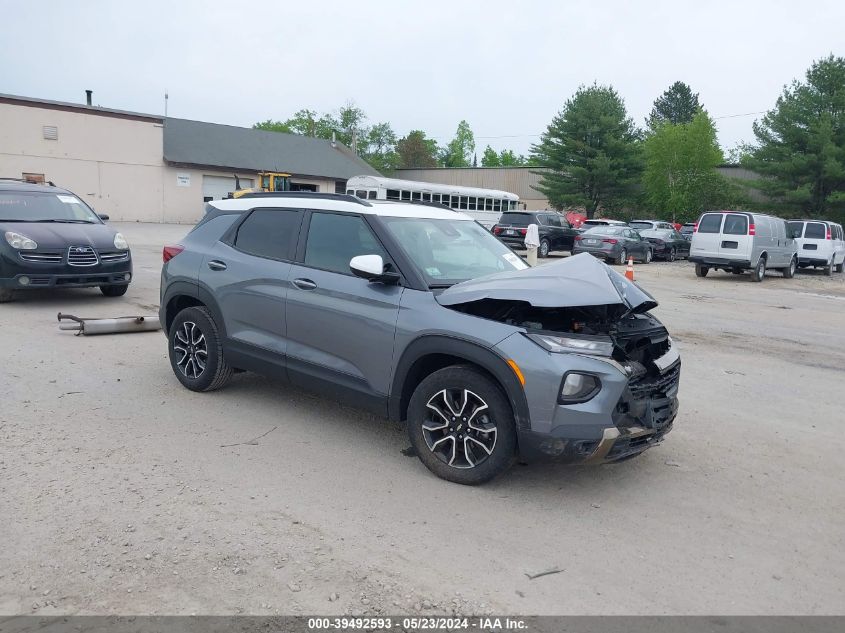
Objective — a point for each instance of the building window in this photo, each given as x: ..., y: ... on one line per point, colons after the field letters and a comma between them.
x: 51, y: 133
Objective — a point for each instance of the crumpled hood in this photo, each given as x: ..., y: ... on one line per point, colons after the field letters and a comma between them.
x: 61, y: 235
x: 581, y: 280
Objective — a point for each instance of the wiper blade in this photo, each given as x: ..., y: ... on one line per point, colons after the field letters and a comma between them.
x: 65, y: 221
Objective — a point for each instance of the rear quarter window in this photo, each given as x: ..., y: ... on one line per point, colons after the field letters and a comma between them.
x: 815, y: 231
x: 710, y: 223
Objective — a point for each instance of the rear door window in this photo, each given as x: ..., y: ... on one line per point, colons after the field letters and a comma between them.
x: 710, y: 223
x: 815, y: 231
x: 270, y: 233
x: 735, y: 225
x: 795, y: 229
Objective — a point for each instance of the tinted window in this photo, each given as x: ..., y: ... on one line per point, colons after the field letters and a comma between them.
x: 517, y: 219
x: 815, y: 231
x: 735, y: 225
x: 416, y: 195
x: 795, y: 229
x: 334, y: 239
x: 371, y: 195
x: 269, y: 233
x: 392, y: 194
x: 553, y: 220
x: 710, y: 223
x: 641, y: 225
x: 426, y: 197
x: 406, y: 195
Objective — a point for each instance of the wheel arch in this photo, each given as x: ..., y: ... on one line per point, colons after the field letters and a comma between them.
x: 430, y: 353
x: 181, y: 295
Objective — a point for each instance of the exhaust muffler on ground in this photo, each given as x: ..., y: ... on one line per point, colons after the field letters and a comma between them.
x: 119, y: 325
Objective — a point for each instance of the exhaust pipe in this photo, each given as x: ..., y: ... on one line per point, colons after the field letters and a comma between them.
x: 119, y: 325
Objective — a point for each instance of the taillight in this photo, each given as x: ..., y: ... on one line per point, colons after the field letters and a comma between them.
x: 578, y: 238
x: 169, y: 252
x: 609, y: 241
x: 523, y: 231
x: 828, y: 233
x: 497, y: 230
x: 752, y: 230
x: 695, y: 228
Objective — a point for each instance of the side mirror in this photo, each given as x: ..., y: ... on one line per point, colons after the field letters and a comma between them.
x: 103, y: 216
x: 371, y: 268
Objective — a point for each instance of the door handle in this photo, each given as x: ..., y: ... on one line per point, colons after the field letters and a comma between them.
x: 216, y: 264
x: 304, y: 284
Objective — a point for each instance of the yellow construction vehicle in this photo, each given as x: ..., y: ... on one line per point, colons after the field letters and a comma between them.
x: 267, y: 181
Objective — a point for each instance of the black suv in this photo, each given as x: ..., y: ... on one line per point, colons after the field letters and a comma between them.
x: 52, y: 239
x: 556, y: 234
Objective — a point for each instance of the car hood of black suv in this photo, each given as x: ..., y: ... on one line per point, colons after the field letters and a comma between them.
x: 53, y: 235
x: 578, y: 281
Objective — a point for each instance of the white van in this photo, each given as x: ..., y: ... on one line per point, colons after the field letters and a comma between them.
x: 735, y: 241
x: 820, y: 244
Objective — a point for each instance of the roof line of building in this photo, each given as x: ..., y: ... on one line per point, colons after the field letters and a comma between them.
x: 79, y: 107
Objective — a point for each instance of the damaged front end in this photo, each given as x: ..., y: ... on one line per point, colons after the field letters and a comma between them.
x: 582, y: 307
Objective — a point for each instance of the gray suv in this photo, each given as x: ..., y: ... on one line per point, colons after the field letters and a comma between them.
x: 418, y: 313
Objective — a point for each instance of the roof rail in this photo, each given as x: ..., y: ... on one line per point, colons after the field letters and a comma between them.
x: 340, y: 197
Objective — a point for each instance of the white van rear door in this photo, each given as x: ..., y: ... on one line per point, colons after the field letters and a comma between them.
x: 816, y: 243
x: 707, y: 236
x: 737, y: 235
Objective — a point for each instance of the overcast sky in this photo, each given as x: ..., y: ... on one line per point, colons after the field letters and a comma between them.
x: 506, y: 67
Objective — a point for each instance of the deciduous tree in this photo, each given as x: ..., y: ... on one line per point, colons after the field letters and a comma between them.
x: 415, y: 151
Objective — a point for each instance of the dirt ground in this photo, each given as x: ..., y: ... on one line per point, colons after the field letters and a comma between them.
x: 122, y: 492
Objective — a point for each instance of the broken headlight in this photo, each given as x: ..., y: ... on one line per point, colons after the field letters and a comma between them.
x: 572, y: 344
x: 577, y: 387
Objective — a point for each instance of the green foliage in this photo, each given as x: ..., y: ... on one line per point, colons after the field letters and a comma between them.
x: 680, y: 178
x: 460, y: 149
x: 801, y: 142
x: 505, y: 158
x: 380, y: 148
x: 592, y: 151
x: 416, y: 151
x: 490, y: 158
x: 273, y: 126
x: 676, y: 105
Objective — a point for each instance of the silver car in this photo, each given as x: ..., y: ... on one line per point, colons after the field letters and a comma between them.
x: 420, y: 314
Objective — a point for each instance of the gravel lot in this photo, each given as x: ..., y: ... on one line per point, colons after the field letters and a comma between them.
x: 122, y: 492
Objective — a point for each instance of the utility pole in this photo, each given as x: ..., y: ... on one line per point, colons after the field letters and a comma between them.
x: 165, y: 102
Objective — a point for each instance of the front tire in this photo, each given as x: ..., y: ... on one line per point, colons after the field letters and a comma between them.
x: 672, y: 256
x: 648, y: 257
x: 543, y: 249
x: 461, y: 426
x: 6, y: 295
x: 114, y: 291
x: 789, y: 271
x: 622, y: 258
x: 195, y: 348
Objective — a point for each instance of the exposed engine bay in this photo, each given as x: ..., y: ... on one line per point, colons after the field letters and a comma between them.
x: 637, y: 338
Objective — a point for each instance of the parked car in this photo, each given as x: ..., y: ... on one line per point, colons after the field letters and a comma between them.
x: 666, y: 244
x: 52, y: 239
x: 615, y: 244
x: 556, y: 234
x: 588, y: 224
x: 820, y: 244
x: 420, y: 314
x: 735, y: 241
x: 650, y: 224
x: 687, y: 230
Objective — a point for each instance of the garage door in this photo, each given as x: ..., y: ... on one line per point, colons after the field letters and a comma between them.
x: 219, y: 187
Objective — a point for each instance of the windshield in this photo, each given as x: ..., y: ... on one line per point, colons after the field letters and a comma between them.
x: 450, y: 251
x: 29, y: 206
x: 606, y: 230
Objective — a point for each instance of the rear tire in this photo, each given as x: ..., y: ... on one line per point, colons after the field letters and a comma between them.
x: 672, y: 255
x: 6, y: 295
x: 114, y: 291
x: 543, y: 249
x: 701, y: 271
x: 789, y: 271
x: 195, y: 348
x: 759, y: 270
x: 828, y: 270
x: 840, y: 266
x: 622, y: 258
x: 469, y: 449
x: 648, y: 257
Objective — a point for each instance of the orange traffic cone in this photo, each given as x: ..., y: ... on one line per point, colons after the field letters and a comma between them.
x: 629, y: 271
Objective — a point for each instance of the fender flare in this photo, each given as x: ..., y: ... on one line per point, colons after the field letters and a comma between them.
x: 469, y: 351
x: 182, y: 288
